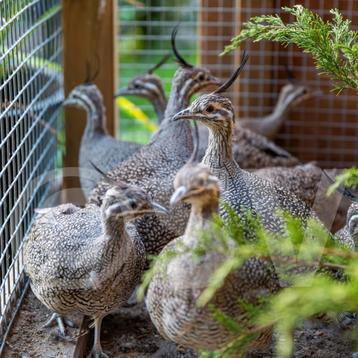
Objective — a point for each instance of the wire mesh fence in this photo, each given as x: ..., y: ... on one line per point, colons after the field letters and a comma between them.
x: 323, y: 128
x: 30, y: 92
x: 143, y: 39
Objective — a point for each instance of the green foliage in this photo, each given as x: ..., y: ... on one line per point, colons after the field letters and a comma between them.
x: 323, y: 276
x: 348, y: 179
x: 332, y: 44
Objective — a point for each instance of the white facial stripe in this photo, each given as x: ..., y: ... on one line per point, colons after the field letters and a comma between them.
x: 152, y: 88
x: 86, y: 100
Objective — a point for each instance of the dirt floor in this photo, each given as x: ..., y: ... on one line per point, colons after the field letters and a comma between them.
x: 129, y: 333
x: 28, y: 339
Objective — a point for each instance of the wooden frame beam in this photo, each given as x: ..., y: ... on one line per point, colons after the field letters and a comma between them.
x: 89, y: 42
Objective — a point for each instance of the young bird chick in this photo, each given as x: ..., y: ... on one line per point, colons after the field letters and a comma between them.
x: 84, y: 260
x: 150, y: 87
x: 176, y: 286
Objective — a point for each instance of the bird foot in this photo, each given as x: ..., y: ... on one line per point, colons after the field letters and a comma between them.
x: 61, y: 322
x: 97, y: 353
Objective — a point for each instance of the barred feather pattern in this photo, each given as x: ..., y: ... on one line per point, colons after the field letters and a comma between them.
x: 154, y: 166
x: 81, y: 260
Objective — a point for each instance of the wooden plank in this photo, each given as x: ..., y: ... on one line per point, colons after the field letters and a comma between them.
x: 88, y: 39
x: 83, y: 339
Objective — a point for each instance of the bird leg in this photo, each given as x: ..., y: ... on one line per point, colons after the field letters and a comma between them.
x: 61, y: 322
x: 97, y: 351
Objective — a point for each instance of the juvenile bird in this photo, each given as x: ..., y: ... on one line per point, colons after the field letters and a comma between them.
x: 96, y: 144
x: 150, y: 87
x: 290, y: 95
x: 175, y: 288
x: 84, y: 260
x: 154, y: 166
x: 242, y: 190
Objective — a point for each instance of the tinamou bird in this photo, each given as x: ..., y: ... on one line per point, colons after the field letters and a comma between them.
x: 250, y: 150
x: 242, y: 190
x: 291, y: 94
x: 155, y: 165
x: 97, y: 145
x: 84, y: 260
x: 150, y: 87
x: 178, y: 283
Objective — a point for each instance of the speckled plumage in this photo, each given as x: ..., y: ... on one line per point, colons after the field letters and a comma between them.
x: 301, y: 180
x: 240, y: 189
x: 268, y: 126
x: 154, y: 166
x: 254, y: 151
x: 251, y: 146
x: 83, y: 259
x: 348, y: 235
x: 97, y: 146
x: 176, y: 286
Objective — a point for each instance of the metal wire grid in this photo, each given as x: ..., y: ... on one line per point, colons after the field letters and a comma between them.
x: 324, y: 128
x: 30, y: 91
x: 144, y: 38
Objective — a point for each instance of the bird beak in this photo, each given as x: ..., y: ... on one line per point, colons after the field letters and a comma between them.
x: 122, y: 92
x: 157, y: 208
x: 184, y: 114
x: 187, y: 114
x: 178, y: 195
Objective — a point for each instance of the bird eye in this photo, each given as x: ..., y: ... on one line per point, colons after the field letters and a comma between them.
x: 209, y: 109
x: 133, y: 205
x: 201, y: 77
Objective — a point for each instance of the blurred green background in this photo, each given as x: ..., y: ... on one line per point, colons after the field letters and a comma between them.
x: 143, y: 36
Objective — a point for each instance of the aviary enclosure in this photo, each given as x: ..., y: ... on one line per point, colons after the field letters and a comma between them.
x: 48, y: 47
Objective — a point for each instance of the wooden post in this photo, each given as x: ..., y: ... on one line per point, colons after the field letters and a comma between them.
x: 89, y: 41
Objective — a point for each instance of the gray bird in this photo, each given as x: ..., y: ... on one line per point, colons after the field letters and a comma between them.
x: 84, y: 260
x: 150, y: 87
x: 96, y: 144
x: 173, y: 291
x: 155, y: 165
x: 242, y: 190
x: 251, y: 148
x: 301, y: 180
x: 268, y: 126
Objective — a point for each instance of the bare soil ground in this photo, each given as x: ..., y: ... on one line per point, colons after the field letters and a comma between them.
x: 28, y: 339
x: 130, y: 333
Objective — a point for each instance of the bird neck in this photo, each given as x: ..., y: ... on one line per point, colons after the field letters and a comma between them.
x: 178, y: 100
x: 114, y: 227
x: 200, y: 219
x: 160, y: 104
x: 219, y: 151
x: 183, y: 88
x: 278, y: 115
x: 177, y: 134
x: 96, y: 121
